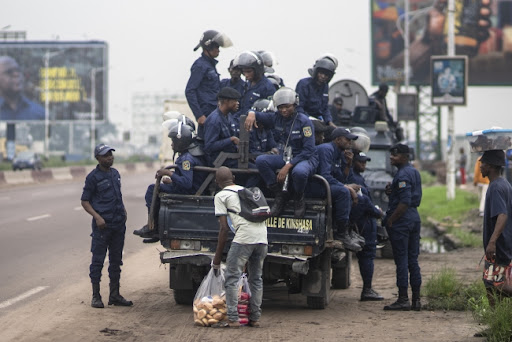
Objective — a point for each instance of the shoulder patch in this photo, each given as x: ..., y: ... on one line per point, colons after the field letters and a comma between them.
x: 402, y: 185
x: 307, y: 131
x: 185, y: 165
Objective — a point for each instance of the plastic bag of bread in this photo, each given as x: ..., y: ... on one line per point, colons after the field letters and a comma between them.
x: 209, y: 305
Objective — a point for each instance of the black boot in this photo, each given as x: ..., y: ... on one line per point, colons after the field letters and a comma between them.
x: 416, y: 302
x: 342, y: 235
x: 402, y: 303
x: 300, y: 205
x: 280, y: 199
x: 369, y: 294
x: 115, y: 298
x: 96, y: 297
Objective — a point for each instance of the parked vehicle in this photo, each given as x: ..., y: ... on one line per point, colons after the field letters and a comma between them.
x: 27, y: 160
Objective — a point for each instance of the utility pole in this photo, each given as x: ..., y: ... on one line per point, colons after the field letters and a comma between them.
x: 450, y: 166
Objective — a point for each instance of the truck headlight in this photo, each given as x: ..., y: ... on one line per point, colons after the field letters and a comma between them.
x: 296, y: 250
x: 186, y: 244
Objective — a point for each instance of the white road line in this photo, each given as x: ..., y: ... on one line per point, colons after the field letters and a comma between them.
x: 78, y: 208
x: 38, y: 217
x: 22, y: 296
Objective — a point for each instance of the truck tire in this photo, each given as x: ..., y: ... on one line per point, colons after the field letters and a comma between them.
x: 316, y: 302
x: 184, y: 297
x: 341, y: 275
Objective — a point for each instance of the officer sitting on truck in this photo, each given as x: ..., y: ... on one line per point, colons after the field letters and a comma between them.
x: 293, y: 132
x: 183, y: 180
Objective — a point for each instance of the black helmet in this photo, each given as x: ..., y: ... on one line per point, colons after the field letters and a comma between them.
x: 327, y: 64
x: 182, y: 136
x: 263, y: 105
x: 285, y: 95
x: 250, y: 59
x: 211, y: 39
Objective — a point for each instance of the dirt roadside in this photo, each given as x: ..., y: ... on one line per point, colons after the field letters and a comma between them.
x: 65, y: 314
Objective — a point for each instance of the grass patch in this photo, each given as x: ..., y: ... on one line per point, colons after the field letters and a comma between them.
x: 434, y: 204
x: 427, y: 179
x: 497, y: 319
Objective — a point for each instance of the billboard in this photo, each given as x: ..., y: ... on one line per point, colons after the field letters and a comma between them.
x: 54, y: 77
x: 483, y: 32
x: 449, y: 80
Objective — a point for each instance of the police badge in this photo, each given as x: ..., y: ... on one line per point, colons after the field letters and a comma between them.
x: 186, y: 165
x: 307, y: 131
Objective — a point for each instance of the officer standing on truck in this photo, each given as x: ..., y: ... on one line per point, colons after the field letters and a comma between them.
x: 403, y: 225
x: 204, y: 83
x: 365, y: 215
x: 102, y: 199
x: 293, y: 131
x: 248, y: 246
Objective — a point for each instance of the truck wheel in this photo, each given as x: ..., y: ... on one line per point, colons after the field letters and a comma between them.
x: 341, y: 275
x: 386, y: 252
x: 324, y: 264
x: 317, y: 303
x: 185, y: 297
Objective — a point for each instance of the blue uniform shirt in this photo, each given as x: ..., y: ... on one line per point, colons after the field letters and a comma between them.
x: 331, y: 162
x: 302, y: 137
x: 238, y: 85
x: 203, y: 86
x: 498, y: 200
x: 103, y: 191
x: 184, y: 179
x: 261, y: 140
x: 263, y: 89
x: 314, y: 99
x: 219, y: 129
x: 406, y: 188
x: 25, y: 110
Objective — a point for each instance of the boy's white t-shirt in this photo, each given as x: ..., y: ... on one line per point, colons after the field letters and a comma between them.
x: 246, y: 232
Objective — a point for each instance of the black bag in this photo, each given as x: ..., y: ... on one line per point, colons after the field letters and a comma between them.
x: 253, y: 204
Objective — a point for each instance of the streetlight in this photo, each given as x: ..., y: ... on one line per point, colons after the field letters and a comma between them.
x: 47, y: 57
x: 93, y: 108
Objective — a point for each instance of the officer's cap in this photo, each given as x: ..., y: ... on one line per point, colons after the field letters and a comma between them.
x: 362, y: 157
x: 343, y: 132
x: 228, y: 93
x: 494, y: 157
x: 102, y: 149
x: 399, y: 149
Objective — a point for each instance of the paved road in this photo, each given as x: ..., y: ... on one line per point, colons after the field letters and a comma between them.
x: 44, y: 235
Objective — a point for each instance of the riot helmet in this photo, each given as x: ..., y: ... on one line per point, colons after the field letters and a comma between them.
x: 182, y: 136
x: 173, y: 117
x: 285, y: 95
x: 195, y: 149
x: 250, y: 59
x: 212, y: 39
x: 275, y: 80
x: 263, y: 105
x: 268, y: 60
x: 325, y: 64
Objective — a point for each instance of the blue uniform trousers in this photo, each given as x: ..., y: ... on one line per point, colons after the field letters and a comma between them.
x: 111, y: 238
x: 368, y: 229
x: 341, y: 199
x: 405, y: 241
x: 299, y: 175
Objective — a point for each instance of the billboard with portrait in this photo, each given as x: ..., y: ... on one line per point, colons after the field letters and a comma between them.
x: 483, y: 32
x: 449, y: 80
x: 54, y: 77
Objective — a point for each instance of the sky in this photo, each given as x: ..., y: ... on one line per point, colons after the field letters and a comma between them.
x: 151, y: 44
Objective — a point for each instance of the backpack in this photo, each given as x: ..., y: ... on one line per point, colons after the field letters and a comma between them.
x: 253, y: 204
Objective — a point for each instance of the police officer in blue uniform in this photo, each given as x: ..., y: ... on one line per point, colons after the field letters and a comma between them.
x: 403, y: 225
x: 261, y: 139
x: 330, y: 163
x: 204, y: 83
x: 221, y: 129
x: 235, y: 81
x: 102, y: 199
x: 364, y: 214
x: 314, y: 91
x: 183, y: 180
x: 257, y: 86
x: 292, y: 131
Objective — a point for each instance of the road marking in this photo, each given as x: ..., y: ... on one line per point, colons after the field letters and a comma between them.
x: 78, y: 208
x: 38, y: 217
x: 22, y: 296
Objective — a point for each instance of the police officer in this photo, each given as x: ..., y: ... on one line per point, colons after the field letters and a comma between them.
x: 102, y: 199
x: 221, y: 129
x: 235, y: 81
x: 262, y: 139
x: 314, y: 91
x: 330, y: 163
x: 403, y: 225
x: 340, y: 116
x: 292, y: 131
x: 204, y: 83
x: 257, y: 86
x: 183, y: 180
x: 365, y: 215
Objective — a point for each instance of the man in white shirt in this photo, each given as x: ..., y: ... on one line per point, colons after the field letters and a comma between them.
x: 248, y: 245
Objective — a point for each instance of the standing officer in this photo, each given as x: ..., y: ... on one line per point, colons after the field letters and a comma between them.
x: 403, y: 225
x: 314, y: 91
x: 102, y: 199
x: 204, y: 83
x: 292, y: 131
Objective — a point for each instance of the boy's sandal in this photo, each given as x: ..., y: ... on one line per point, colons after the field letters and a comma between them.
x: 254, y: 324
x: 226, y: 324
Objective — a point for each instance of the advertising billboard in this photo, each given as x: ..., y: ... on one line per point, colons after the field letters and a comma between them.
x: 54, y: 78
x: 483, y: 32
x: 449, y: 80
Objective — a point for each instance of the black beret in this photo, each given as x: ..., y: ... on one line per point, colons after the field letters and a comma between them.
x: 399, y: 148
x: 228, y: 93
